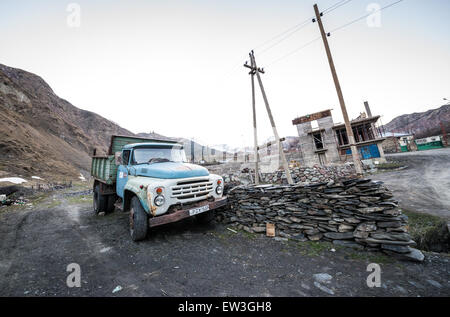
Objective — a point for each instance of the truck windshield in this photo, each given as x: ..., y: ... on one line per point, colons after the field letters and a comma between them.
x: 159, y: 154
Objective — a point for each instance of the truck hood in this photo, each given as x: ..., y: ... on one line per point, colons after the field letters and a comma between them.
x: 171, y: 170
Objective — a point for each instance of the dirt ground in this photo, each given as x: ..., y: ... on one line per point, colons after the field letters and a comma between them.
x: 424, y: 185
x: 186, y: 259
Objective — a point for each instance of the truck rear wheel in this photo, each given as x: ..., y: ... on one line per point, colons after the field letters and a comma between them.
x: 110, y: 203
x: 99, y: 200
x: 138, y: 220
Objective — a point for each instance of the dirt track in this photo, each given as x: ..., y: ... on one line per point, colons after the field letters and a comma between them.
x: 186, y: 259
x: 424, y: 186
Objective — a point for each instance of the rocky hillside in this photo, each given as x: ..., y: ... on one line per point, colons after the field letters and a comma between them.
x: 423, y: 124
x: 42, y: 134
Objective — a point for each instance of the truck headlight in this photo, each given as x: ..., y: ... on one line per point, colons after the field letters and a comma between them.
x: 159, y: 200
x: 219, y: 190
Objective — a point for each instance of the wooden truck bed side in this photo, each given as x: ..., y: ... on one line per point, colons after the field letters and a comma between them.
x: 104, y: 168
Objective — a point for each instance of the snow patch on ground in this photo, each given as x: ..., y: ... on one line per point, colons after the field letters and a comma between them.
x: 82, y: 177
x: 36, y: 177
x: 15, y: 180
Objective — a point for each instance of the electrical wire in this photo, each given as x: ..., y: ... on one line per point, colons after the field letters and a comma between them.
x: 334, y: 30
x: 335, y: 6
x: 364, y: 16
x: 294, y: 29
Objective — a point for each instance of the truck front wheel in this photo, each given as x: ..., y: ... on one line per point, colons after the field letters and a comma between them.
x: 99, y: 200
x: 138, y: 220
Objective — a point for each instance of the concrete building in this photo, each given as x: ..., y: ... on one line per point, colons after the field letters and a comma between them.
x: 398, y: 142
x: 323, y: 142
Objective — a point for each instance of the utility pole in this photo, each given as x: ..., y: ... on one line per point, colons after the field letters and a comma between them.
x: 444, y: 134
x: 348, y: 128
x: 257, y: 70
x: 255, y: 133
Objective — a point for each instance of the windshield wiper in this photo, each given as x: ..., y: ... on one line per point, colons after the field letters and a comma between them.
x: 158, y: 160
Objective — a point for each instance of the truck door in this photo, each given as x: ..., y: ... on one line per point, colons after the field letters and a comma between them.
x: 122, y: 173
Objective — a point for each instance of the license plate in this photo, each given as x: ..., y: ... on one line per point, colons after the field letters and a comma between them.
x: 199, y: 210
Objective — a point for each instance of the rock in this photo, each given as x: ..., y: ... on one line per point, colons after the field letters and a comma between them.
x: 368, y: 199
x: 339, y: 235
x: 323, y: 288
x: 323, y: 277
x: 434, y: 283
x: 360, y: 234
x: 345, y: 228
x: 295, y: 219
x: 371, y: 240
x: 259, y: 229
x: 396, y: 248
x: 315, y: 237
x: 299, y: 237
x: 349, y: 244
x: 370, y: 210
x: 312, y: 231
x: 414, y: 255
x: 391, y: 236
x: 366, y: 227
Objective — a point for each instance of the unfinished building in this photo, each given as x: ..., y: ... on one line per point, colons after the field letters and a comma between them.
x: 327, y: 143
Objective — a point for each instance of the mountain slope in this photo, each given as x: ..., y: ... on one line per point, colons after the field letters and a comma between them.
x: 423, y: 124
x: 44, y: 134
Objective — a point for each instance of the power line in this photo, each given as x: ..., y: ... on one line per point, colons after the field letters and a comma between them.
x: 365, y: 16
x: 335, y: 6
x: 334, y: 30
x: 305, y: 23
x: 290, y: 31
x: 293, y: 52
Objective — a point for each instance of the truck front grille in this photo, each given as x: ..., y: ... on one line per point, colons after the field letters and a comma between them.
x: 192, y: 190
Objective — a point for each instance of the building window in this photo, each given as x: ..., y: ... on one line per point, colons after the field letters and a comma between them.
x: 341, y: 135
x: 318, y: 141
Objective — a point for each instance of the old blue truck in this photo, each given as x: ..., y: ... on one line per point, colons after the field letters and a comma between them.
x: 154, y: 182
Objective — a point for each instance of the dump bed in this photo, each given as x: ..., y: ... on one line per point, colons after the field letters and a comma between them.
x: 104, y: 168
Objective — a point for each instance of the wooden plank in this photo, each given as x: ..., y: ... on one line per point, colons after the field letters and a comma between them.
x: 312, y: 117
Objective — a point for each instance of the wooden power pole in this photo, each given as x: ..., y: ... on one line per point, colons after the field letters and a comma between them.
x: 348, y: 128
x: 255, y: 132
x: 256, y: 71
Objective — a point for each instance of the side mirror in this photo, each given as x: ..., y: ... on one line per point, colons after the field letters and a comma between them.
x: 118, y: 158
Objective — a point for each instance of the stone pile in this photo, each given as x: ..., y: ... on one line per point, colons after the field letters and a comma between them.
x: 300, y: 175
x: 359, y: 213
x: 313, y: 174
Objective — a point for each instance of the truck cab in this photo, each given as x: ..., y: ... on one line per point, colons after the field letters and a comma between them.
x: 157, y: 185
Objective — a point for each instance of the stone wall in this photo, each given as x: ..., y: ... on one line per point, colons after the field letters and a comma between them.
x: 356, y: 212
x: 300, y: 175
x: 391, y: 145
x: 315, y: 174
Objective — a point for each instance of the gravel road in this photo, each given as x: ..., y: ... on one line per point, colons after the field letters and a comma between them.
x: 186, y: 259
x: 424, y: 186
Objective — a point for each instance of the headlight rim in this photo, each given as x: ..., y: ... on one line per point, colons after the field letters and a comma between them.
x: 160, y: 204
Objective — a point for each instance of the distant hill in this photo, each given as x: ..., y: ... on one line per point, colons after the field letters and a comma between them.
x: 42, y: 134
x: 422, y: 124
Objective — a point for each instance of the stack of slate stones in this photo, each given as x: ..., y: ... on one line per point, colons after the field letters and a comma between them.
x: 358, y: 213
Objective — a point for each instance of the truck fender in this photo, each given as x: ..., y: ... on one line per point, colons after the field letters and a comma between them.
x: 129, y: 192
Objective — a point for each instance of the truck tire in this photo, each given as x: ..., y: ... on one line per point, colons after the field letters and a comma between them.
x: 111, y: 200
x: 138, y: 220
x: 205, y: 217
x: 99, y: 200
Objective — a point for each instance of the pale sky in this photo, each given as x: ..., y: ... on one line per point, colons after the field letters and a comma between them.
x: 175, y: 67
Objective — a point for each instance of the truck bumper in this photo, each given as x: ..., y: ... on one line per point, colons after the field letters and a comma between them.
x: 202, y: 206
